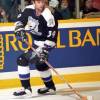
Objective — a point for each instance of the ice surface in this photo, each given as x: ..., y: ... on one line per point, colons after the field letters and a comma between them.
x: 6, y: 94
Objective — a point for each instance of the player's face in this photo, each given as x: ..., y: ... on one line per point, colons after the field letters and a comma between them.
x: 40, y: 5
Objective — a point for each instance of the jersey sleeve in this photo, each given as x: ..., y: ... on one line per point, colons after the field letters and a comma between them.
x: 21, y: 20
x: 53, y: 32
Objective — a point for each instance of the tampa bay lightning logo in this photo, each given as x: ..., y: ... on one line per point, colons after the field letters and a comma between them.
x: 33, y: 23
x: 33, y: 26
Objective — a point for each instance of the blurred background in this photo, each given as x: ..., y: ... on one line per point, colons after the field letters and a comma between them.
x: 62, y: 9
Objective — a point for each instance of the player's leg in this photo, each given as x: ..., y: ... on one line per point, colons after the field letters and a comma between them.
x: 46, y: 76
x: 24, y: 74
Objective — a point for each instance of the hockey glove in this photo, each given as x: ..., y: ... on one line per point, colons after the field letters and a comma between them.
x: 43, y: 54
x: 20, y: 33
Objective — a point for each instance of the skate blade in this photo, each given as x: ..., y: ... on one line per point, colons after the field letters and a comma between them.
x: 48, y: 93
x: 22, y: 97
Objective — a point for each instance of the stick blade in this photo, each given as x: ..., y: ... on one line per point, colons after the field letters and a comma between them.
x: 87, y: 98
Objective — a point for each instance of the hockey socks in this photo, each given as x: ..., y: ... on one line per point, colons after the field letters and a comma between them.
x: 24, y: 75
x: 49, y: 84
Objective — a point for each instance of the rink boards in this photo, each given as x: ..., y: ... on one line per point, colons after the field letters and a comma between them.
x: 77, y: 55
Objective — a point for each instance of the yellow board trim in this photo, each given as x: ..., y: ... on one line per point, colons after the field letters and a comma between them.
x: 6, y: 24
x: 36, y: 81
x: 62, y: 21
x: 79, y: 20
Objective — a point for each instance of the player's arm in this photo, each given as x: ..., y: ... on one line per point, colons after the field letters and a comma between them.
x: 52, y: 28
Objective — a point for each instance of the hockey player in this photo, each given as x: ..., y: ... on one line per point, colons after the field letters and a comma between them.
x: 43, y: 29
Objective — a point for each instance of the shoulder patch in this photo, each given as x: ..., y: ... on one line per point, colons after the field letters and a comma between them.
x: 48, y: 17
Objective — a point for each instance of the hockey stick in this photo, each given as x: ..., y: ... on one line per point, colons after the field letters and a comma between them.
x: 65, y: 91
x: 60, y: 76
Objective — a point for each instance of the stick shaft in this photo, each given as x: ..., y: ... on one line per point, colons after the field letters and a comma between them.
x: 79, y: 89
